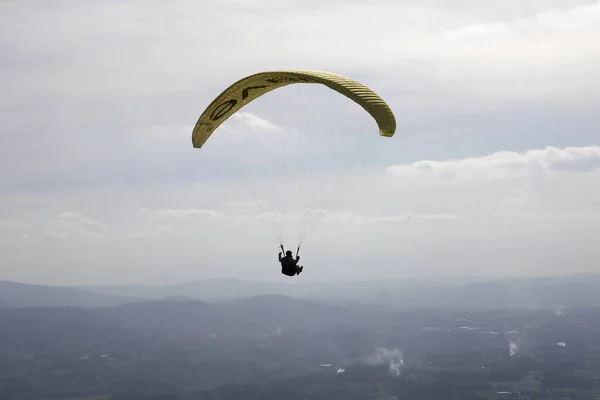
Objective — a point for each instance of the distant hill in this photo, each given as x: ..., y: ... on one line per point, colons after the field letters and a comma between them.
x: 209, y: 290
x: 15, y: 295
x: 549, y: 293
x: 531, y: 293
x: 231, y: 289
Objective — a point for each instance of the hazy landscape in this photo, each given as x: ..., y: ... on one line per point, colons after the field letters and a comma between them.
x: 223, y: 339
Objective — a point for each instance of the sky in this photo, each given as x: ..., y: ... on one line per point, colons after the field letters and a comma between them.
x: 493, y: 170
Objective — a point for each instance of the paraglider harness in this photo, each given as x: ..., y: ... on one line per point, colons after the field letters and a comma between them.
x: 289, y: 265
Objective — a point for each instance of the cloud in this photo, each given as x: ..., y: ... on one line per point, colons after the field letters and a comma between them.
x: 506, y: 164
x: 193, y: 213
x: 252, y: 121
x: 242, y: 204
x: 493, y: 45
x: 349, y: 217
x: 328, y: 217
x: 577, y: 19
x: 492, y: 170
x: 68, y: 226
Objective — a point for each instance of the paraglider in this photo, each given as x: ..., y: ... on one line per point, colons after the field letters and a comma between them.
x: 289, y: 265
x: 247, y: 89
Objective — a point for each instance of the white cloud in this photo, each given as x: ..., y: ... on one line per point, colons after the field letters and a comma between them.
x: 575, y: 20
x: 242, y: 204
x: 67, y: 226
x: 535, y: 49
x: 493, y: 169
x: 324, y: 216
x: 513, y: 226
x: 253, y: 121
x: 506, y: 164
x: 194, y: 213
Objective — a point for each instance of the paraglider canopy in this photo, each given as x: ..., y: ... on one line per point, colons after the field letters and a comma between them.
x: 251, y: 87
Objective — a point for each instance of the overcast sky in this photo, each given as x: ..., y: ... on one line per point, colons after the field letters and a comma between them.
x: 494, y: 169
